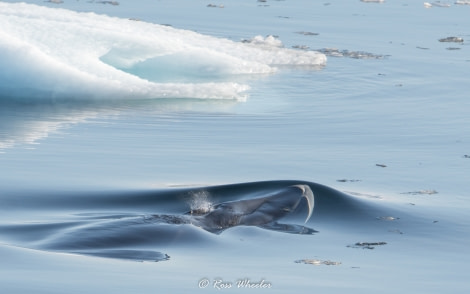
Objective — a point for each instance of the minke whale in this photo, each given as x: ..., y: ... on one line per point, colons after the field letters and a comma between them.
x: 262, y: 212
x: 130, y: 236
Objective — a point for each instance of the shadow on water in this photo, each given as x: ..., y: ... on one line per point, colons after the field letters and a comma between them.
x: 132, y: 224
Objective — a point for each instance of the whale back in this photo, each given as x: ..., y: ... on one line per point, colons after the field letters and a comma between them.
x: 255, y: 212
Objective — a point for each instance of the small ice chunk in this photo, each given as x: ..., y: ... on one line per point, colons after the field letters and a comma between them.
x: 452, y: 39
x: 440, y: 4
x: 317, y: 262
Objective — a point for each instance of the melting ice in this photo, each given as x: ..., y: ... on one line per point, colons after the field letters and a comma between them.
x: 61, y: 54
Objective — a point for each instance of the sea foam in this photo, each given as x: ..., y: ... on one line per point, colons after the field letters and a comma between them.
x: 61, y: 54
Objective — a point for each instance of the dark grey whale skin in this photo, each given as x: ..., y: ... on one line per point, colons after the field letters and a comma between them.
x: 262, y: 212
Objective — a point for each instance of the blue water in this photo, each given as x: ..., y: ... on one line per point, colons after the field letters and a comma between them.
x: 380, y: 134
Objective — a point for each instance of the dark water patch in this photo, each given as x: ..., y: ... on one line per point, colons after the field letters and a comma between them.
x: 367, y: 245
x: 134, y: 255
x: 347, y: 180
x: 421, y: 192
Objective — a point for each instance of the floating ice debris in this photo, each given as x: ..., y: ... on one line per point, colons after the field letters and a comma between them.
x: 441, y: 4
x: 436, y: 4
x: 452, y: 39
x: 422, y: 192
x: 115, y: 3
x: 331, y: 52
x: 215, y: 6
x: 269, y: 41
x: 370, y: 243
x: 301, y: 47
x: 307, y: 33
x: 317, y: 262
x: 380, y: 165
x: 462, y: 2
x: 351, y: 54
x: 367, y: 245
x: 453, y: 48
x: 364, y: 195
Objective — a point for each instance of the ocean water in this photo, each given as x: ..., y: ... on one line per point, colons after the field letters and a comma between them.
x: 175, y: 133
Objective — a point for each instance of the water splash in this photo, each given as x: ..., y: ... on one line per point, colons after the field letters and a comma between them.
x: 200, y: 202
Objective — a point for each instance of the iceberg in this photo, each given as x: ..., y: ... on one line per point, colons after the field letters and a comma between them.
x: 54, y: 53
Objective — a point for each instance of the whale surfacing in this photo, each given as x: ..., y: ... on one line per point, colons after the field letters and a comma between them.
x: 262, y: 212
x: 134, y: 236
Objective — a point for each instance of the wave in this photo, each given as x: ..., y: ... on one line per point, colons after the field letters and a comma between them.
x: 60, y: 54
x: 138, y: 224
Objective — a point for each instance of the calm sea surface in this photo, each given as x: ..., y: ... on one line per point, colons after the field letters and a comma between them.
x: 386, y: 120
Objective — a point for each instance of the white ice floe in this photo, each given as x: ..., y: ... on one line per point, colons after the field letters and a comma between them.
x: 52, y: 52
x: 436, y: 4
